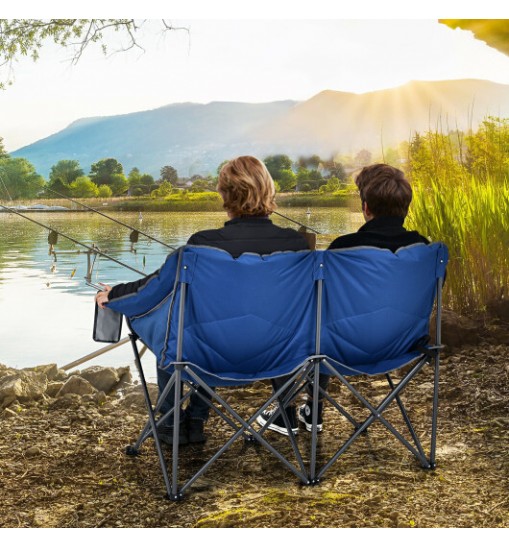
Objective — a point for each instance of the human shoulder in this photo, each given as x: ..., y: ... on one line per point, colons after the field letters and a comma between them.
x: 204, y: 236
x: 347, y: 240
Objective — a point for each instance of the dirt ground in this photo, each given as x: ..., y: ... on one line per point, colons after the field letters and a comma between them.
x: 63, y: 463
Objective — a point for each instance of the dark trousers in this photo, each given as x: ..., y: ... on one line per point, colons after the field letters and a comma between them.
x: 323, y: 381
x: 197, y: 407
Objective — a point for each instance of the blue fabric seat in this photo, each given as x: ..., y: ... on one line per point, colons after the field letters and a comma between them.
x: 213, y: 321
x: 375, y: 320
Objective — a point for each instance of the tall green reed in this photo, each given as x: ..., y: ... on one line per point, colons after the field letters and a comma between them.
x: 472, y: 217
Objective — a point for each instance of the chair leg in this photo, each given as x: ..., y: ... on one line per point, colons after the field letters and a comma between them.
x: 151, y: 416
x: 376, y: 414
x: 314, y: 424
x: 407, y: 419
x: 432, y: 462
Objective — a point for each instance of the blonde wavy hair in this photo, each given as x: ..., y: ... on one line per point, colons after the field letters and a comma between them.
x: 247, y: 188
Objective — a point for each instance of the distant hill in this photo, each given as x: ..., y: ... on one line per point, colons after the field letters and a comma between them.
x: 196, y: 138
x: 334, y: 121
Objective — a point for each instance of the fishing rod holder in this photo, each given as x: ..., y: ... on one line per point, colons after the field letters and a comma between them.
x: 94, y: 250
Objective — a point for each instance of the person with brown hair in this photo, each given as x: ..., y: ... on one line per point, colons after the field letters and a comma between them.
x: 248, y: 194
x: 385, y: 198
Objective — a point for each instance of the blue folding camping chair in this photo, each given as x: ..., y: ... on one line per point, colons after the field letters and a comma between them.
x: 215, y: 321
x: 374, y: 319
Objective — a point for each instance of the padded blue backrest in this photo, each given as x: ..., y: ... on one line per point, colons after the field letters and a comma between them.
x: 377, y: 304
x: 247, y: 318
x: 254, y: 317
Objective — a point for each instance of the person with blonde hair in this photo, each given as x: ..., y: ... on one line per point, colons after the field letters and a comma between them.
x: 248, y: 195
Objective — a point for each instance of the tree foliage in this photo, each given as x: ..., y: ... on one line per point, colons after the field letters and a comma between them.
x: 104, y: 191
x: 66, y: 170
x: 103, y: 171
x: 18, y: 179
x: 3, y: 152
x: 169, y: 173
x: 488, y: 149
x: 332, y: 185
x: 287, y: 180
x: 276, y: 164
x: 84, y: 187
x: 202, y: 185
x: 26, y: 37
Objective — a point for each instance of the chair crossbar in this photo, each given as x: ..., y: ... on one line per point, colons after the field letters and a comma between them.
x: 376, y: 414
x: 246, y: 425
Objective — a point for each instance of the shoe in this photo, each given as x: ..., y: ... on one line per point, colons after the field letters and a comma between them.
x: 278, y: 424
x: 305, y: 415
x: 165, y: 433
x: 195, y: 430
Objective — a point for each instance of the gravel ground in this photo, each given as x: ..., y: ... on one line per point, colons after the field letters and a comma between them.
x: 63, y: 464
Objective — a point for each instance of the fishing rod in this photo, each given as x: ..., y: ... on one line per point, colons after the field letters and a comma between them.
x: 297, y: 222
x: 147, y: 235
x: 52, y: 239
x: 135, y: 231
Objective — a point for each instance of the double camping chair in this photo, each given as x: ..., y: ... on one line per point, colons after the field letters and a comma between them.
x: 215, y: 321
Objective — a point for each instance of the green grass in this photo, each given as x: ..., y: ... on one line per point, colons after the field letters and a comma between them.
x: 472, y: 218
x: 181, y: 201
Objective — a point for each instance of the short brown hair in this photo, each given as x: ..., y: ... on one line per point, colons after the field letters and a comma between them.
x: 385, y: 190
x: 247, y: 187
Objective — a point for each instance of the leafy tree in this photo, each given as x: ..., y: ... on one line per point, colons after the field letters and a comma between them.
x: 26, y: 37
x: 147, y: 183
x: 287, y: 180
x: 140, y: 184
x: 118, y: 184
x: 66, y: 170
x: 58, y: 186
x: 102, y: 171
x: 332, y: 185
x: 311, y: 178
x: 275, y: 164
x: 434, y: 156
x: 169, y: 173
x: 84, y: 187
x: 134, y: 181
x: 165, y: 189
x: 104, y: 191
x: 201, y: 185
x: 488, y: 150
x: 3, y: 152
x: 19, y: 179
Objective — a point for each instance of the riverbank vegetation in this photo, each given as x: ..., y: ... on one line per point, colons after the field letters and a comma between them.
x: 461, y: 196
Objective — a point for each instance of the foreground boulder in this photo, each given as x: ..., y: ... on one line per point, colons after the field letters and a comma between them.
x: 21, y: 386
x: 106, y: 379
x: 76, y: 385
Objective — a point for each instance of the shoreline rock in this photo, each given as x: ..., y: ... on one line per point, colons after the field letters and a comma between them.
x: 47, y: 382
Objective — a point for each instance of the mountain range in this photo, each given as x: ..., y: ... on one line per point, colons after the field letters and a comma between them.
x: 196, y: 138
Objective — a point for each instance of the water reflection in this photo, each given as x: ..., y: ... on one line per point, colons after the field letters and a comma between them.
x: 46, y: 310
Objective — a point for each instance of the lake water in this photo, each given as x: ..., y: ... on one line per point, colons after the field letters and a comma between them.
x: 46, y: 309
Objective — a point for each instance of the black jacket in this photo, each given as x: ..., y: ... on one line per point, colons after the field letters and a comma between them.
x: 240, y: 235
x: 383, y: 232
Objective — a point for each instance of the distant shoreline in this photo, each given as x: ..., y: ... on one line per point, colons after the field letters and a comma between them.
x: 196, y: 204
